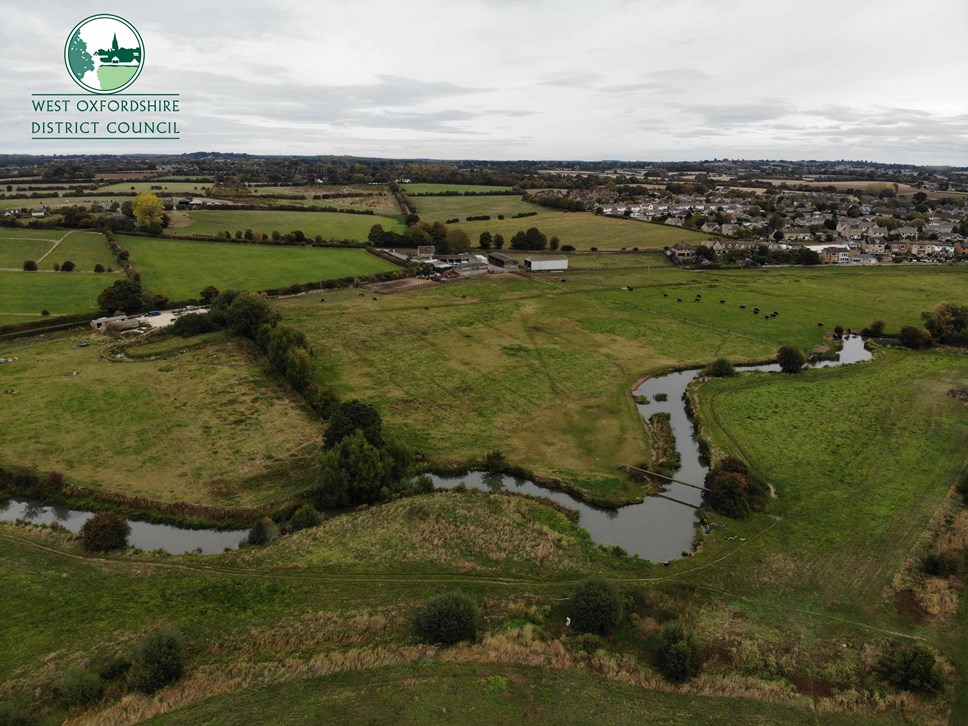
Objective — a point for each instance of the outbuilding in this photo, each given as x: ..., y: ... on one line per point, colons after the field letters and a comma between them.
x: 499, y: 259
x: 546, y: 263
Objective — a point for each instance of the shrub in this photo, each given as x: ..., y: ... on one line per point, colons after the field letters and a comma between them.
x: 262, y: 532
x: 105, y: 531
x: 876, y: 330
x: 596, y: 606
x: 114, y: 668
x: 962, y: 486
x: 791, y: 360
x: 678, y: 655
x: 15, y: 714
x: 99, y: 267
x: 448, y: 619
x: 79, y: 687
x: 352, y: 416
x: 158, y: 661
x: 945, y: 564
x: 45, y: 312
x: 731, y: 490
x: 915, y: 338
x: 193, y: 324
x: 720, y: 368
x: 68, y: 266
x: 911, y: 668
x: 304, y: 518
x: 30, y: 266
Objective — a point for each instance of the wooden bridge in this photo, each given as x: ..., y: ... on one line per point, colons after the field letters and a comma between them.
x: 636, y: 469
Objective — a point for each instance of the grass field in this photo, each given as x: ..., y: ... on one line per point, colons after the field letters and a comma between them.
x: 51, y: 201
x: 377, y: 198
x: 330, y: 225
x: 439, y: 188
x: 468, y: 376
x: 620, y: 259
x: 59, y: 292
x: 440, y: 209
x: 14, y: 252
x: 584, y: 230
x: 181, y: 268
x: 203, y: 427
x: 167, y: 187
x: 84, y: 249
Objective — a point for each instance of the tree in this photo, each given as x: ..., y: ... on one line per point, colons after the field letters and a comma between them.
x: 678, y: 655
x: 208, y: 295
x: 719, y: 368
x: 485, y: 240
x: 352, y: 416
x: 148, y: 211
x: 30, y: 266
x: 99, y: 267
x: 262, y: 532
x: 78, y: 58
x: 448, y: 619
x: 457, y: 240
x: 124, y: 295
x: 499, y: 241
x: 915, y: 338
x: 596, y: 606
x: 304, y: 518
x: 731, y: 491
x: 376, y: 234
x: 354, y: 471
x: 553, y: 243
x: 105, y: 531
x: 791, y: 360
x: 948, y: 324
x: 248, y: 312
x: 158, y: 661
x: 911, y: 668
x: 68, y: 266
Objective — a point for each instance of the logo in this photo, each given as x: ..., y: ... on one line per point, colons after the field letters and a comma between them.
x: 104, y: 54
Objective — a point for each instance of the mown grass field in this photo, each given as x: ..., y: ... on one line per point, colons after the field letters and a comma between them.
x: 58, y: 292
x: 439, y: 188
x: 84, y: 249
x: 202, y: 426
x: 593, y: 259
x: 542, y: 369
x: 52, y: 201
x: 180, y: 269
x: 330, y: 225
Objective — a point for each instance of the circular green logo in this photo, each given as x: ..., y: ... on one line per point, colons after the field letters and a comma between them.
x: 104, y: 54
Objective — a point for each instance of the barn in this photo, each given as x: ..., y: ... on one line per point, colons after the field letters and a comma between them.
x: 546, y: 263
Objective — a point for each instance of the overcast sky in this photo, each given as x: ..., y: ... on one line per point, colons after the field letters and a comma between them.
x: 519, y: 79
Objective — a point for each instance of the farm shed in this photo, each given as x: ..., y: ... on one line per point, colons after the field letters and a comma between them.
x: 546, y: 263
x: 501, y: 260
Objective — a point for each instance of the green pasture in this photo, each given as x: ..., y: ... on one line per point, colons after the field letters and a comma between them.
x: 59, y: 292
x: 440, y: 188
x: 329, y: 225
x: 182, y: 268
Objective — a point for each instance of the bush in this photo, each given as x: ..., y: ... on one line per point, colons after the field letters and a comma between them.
x: 350, y: 417
x: 114, y: 668
x: 30, y: 266
x: 105, y: 531
x: 911, y: 668
x: 678, y: 656
x: 915, y: 338
x: 15, y: 714
x: 731, y: 490
x: 79, y: 687
x: 596, y: 606
x: 945, y: 564
x: 448, y: 619
x: 193, y: 324
x: 99, y: 267
x: 159, y: 660
x: 304, y: 518
x: 720, y: 368
x: 791, y: 360
x: 876, y: 330
x: 262, y: 532
x: 68, y: 266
